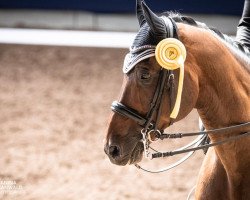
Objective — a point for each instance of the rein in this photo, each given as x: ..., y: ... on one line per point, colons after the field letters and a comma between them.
x: 150, y: 134
x: 225, y: 130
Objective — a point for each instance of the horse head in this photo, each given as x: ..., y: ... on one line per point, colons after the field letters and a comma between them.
x: 143, y: 76
x: 216, y: 83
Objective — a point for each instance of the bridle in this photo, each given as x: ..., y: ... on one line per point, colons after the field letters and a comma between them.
x: 150, y: 123
x: 155, y: 105
x: 165, y: 80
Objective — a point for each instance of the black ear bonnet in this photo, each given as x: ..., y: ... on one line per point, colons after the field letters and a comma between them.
x: 152, y: 30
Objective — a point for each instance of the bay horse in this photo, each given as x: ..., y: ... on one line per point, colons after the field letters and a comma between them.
x: 216, y: 83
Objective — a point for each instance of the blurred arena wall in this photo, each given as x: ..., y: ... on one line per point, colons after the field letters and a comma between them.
x: 228, y: 7
x: 113, y: 15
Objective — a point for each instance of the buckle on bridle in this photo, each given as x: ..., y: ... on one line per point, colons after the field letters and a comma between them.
x: 154, y: 135
x: 149, y: 135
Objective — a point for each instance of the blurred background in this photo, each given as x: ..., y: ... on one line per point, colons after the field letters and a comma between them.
x: 115, y: 15
x: 60, y: 69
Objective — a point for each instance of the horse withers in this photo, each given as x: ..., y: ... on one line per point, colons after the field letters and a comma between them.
x: 216, y: 83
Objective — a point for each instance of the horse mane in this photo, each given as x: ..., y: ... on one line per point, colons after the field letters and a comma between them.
x: 241, y: 53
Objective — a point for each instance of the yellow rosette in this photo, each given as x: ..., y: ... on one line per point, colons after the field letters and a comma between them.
x: 170, y: 53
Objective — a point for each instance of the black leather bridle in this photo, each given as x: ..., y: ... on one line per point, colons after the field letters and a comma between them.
x: 165, y: 80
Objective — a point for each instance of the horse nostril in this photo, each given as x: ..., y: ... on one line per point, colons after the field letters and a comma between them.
x: 114, y: 151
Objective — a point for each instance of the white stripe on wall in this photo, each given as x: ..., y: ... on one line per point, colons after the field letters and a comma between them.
x: 66, y: 38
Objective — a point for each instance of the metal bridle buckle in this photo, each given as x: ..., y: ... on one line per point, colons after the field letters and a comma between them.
x: 149, y: 135
x: 154, y: 135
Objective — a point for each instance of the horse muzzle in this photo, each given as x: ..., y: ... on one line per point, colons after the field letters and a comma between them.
x: 120, y: 155
x: 114, y: 152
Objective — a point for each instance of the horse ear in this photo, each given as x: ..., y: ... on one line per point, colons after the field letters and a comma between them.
x: 139, y: 13
x: 155, y: 23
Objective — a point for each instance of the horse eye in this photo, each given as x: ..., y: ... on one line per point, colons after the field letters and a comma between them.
x: 145, y: 75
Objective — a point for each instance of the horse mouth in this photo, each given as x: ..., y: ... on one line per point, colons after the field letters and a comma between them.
x: 136, y: 155
x: 132, y: 158
x: 131, y: 151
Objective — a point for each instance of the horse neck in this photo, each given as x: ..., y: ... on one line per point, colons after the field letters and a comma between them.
x: 223, y: 81
x: 223, y: 92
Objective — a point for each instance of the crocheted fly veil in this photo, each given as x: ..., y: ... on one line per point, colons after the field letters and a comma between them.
x: 152, y: 30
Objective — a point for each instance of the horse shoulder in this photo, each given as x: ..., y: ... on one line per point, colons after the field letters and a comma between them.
x: 212, y: 180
